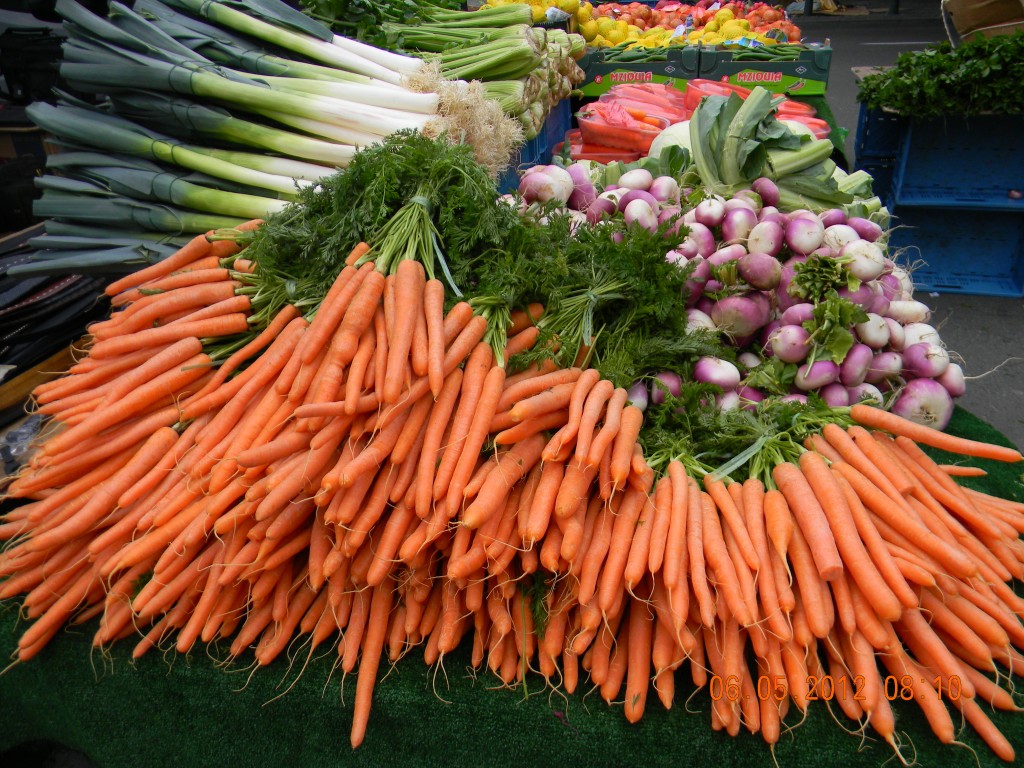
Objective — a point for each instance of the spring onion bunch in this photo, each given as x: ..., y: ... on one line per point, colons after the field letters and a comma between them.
x: 544, y: 61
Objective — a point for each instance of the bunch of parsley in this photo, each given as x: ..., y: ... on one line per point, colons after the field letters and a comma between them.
x: 979, y: 76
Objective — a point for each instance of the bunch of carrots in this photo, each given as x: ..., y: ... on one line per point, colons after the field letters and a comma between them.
x: 371, y: 475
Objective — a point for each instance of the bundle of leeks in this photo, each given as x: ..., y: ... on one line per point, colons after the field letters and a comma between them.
x: 182, y: 116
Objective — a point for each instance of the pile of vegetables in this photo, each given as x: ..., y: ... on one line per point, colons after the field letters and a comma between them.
x: 527, y: 69
x: 736, y: 139
x: 673, y: 23
x: 187, y: 116
x: 814, y: 304
x: 397, y: 416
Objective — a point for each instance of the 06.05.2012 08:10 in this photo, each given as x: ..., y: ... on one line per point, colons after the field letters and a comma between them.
x: 731, y: 688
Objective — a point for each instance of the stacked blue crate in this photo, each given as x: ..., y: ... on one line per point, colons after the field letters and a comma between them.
x: 956, y: 202
x: 876, y: 147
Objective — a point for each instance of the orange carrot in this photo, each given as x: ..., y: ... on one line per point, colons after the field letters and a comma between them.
x: 332, y: 309
x: 584, y: 383
x: 474, y: 375
x: 225, y: 325
x: 810, y: 518
x: 876, y: 418
x: 358, y: 316
x: 605, y: 436
x: 510, y: 469
x: 962, y: 470
x: 593, y: 408
x: 660, y: 524
x: 641, y: 633
x: 676, y: 559
x: 875, y: 500
x: 538, y: 382
x: 193, y: 250
x: 854, y: 555
x: 733, y: 518
x: 534, y: 426
x: 546, y: 401
x: 475, y: 437
x: 409, y: 283
x: 373, y: 646
x: 433, y: 311
x: 630, y: 423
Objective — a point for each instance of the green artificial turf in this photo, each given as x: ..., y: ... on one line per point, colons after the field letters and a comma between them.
x: 169, y: 710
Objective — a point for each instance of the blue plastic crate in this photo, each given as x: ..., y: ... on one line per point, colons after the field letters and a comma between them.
x: 881, y: 170
x: 558, y: 124
x: 878, y: 134
x: 975, y: 252
x: 961, y: 162
x: 538, y: 150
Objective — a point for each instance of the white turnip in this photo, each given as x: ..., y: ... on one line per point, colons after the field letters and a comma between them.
x: 924, y: 401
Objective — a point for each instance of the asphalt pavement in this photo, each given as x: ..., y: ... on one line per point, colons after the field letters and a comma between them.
x: 985, y: 333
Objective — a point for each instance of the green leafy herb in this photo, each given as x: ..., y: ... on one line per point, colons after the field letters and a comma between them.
x: 740, y: 442
x: 981, y: 75
x: 818, y: 276
x: 773, y: 376
x: 829, y: 327
x: 410, y: 191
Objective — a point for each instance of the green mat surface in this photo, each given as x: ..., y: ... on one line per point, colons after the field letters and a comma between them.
x: 170, y: 710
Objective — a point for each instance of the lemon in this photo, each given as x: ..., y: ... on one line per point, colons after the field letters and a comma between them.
x: 569, y: 6
x: 589, y: 30
x: 605, y: 24
x: 731, y: 28
x: 712, y: 26
x: 615, y: 36
x: 724, y: 15
x: 585, y: 13
x: 713, y: 39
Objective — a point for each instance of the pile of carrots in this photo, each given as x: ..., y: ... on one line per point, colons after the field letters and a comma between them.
x: 372, y: 476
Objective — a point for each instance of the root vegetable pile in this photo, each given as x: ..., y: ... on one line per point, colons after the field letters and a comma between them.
x: 376, y: 478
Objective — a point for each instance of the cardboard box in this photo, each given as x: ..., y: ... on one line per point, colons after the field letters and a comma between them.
x: 996, y: 29
x: 970, y: 15
x: 807, y: 76
x: 681, y: 65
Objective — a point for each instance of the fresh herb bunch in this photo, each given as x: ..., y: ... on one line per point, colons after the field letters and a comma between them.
x: 981, y: 75
x: 611, y: 299
x: 736, y: 442
x: 301, y: 250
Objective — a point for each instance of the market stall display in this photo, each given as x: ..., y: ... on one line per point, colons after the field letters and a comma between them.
x: 314, y: 491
